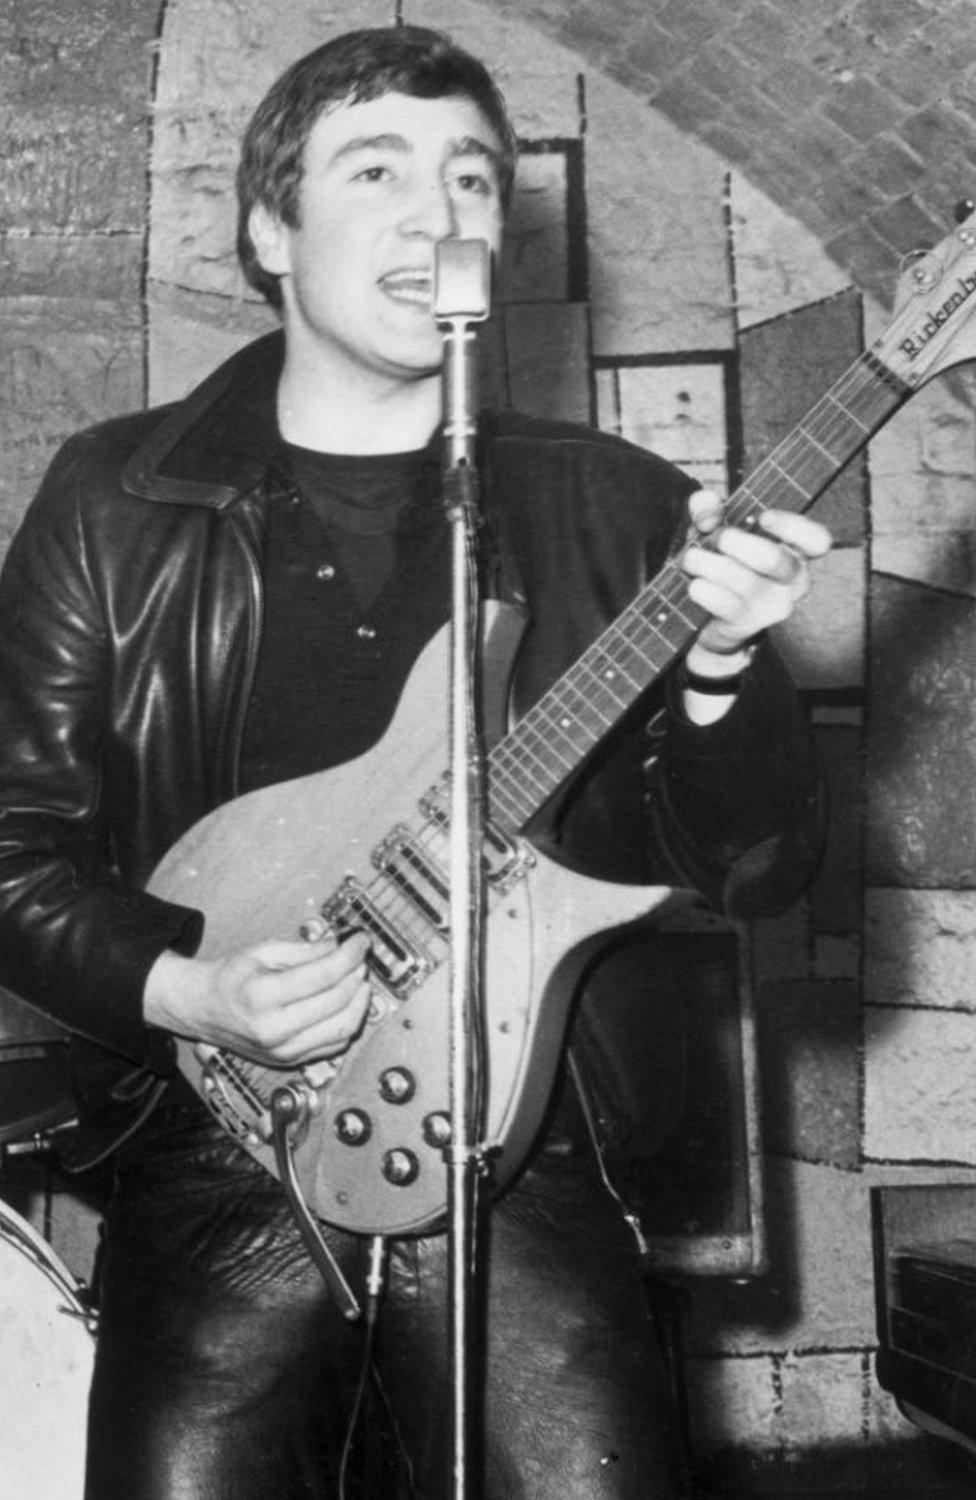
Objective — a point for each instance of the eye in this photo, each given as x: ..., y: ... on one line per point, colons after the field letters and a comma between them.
x: 376, y: 173
x: 478, y: 183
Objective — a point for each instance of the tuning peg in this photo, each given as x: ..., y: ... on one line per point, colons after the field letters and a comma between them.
x: 963, y: 209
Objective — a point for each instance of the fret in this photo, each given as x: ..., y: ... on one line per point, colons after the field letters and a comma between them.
x: 557, y: 731
x: 540, y: 747
x: 789, y: 477
x: 521, y: 771
x: 575, y: 707
x: 876, y: 391
x: 811, y: 438
x: 612, y: 686
x: 510, y: 805
x: 846, y: 412
x: 535, y: 758
x: 572, y: 710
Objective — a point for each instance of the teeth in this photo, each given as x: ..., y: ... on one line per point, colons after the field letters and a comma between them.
x: 415, y: 285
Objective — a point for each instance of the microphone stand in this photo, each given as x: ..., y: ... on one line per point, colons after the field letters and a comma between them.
x: 462, y: 270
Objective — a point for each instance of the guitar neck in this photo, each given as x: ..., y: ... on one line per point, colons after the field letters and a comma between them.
x: 578, y: 711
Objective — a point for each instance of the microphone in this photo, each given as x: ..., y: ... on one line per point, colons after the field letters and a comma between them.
x: 462, y: 297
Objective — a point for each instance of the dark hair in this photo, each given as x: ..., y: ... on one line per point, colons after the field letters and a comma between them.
x: 352, y: 68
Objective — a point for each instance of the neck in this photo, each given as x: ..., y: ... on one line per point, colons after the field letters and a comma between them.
x: 371, y: 414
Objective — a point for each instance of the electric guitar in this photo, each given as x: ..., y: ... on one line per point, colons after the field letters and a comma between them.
x: 365, y: 846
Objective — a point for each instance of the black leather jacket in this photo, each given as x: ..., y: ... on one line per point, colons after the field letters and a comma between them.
x: 130, y: 612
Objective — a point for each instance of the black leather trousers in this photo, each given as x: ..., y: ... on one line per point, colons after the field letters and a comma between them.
x: 224, y: 1371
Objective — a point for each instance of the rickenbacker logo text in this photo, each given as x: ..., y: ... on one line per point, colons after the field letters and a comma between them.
x: 913, y: 346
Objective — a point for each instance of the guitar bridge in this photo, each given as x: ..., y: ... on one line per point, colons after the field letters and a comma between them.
x: 392, y: 958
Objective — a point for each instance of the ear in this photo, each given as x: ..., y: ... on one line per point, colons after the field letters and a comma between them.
x: 270, y: 240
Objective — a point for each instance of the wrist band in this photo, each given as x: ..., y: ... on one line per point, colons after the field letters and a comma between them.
x: 712, y: 687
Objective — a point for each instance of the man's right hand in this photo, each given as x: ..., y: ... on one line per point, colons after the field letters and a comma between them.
x: 280, y: 1003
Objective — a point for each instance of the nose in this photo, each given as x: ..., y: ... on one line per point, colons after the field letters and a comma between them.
x: 431, y: 211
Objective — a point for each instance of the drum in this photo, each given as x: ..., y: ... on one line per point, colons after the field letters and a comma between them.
x: 47, y: 1347
x: 35, y: 1093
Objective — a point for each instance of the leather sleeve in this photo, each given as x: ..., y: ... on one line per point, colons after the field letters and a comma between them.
x: 734, y: 810
x: 74, y: 940
x: 737, y: 809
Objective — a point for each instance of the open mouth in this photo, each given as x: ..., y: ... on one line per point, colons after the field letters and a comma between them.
x: 414, y: 286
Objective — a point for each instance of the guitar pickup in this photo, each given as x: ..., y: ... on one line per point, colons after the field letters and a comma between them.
x: 414, y: 872
x: 392, y: 958
x: 504, y: 860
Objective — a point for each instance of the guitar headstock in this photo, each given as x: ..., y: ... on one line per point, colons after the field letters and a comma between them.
x: 933, y: 327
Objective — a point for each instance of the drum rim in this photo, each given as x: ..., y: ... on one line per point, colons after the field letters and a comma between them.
x: 16, y: 1230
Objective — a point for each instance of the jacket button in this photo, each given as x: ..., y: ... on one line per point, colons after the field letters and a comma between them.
x: 325, y: 572
x: 366, y: 632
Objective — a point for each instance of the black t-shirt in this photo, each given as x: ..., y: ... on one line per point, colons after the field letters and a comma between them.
x: 356, y: 581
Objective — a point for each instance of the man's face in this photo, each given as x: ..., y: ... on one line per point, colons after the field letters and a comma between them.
x: 383, y: 181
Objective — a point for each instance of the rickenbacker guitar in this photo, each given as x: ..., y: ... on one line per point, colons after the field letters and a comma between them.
x: 366, y: 846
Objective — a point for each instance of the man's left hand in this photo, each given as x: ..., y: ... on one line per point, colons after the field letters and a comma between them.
x: 748, y: 579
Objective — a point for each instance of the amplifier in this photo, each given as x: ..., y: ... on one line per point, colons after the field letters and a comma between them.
x: 925, y: 1284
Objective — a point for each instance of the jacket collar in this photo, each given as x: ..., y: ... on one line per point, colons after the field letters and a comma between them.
x: 221, y: 440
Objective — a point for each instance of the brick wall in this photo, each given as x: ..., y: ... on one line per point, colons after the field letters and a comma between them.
x: 856, y: 116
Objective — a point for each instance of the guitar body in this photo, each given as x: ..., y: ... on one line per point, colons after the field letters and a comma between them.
x: 264, y: 865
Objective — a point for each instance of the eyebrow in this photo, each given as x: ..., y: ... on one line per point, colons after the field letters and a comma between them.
x: 468, y: 145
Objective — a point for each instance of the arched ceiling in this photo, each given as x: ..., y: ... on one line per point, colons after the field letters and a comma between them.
x: 858, y: 117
